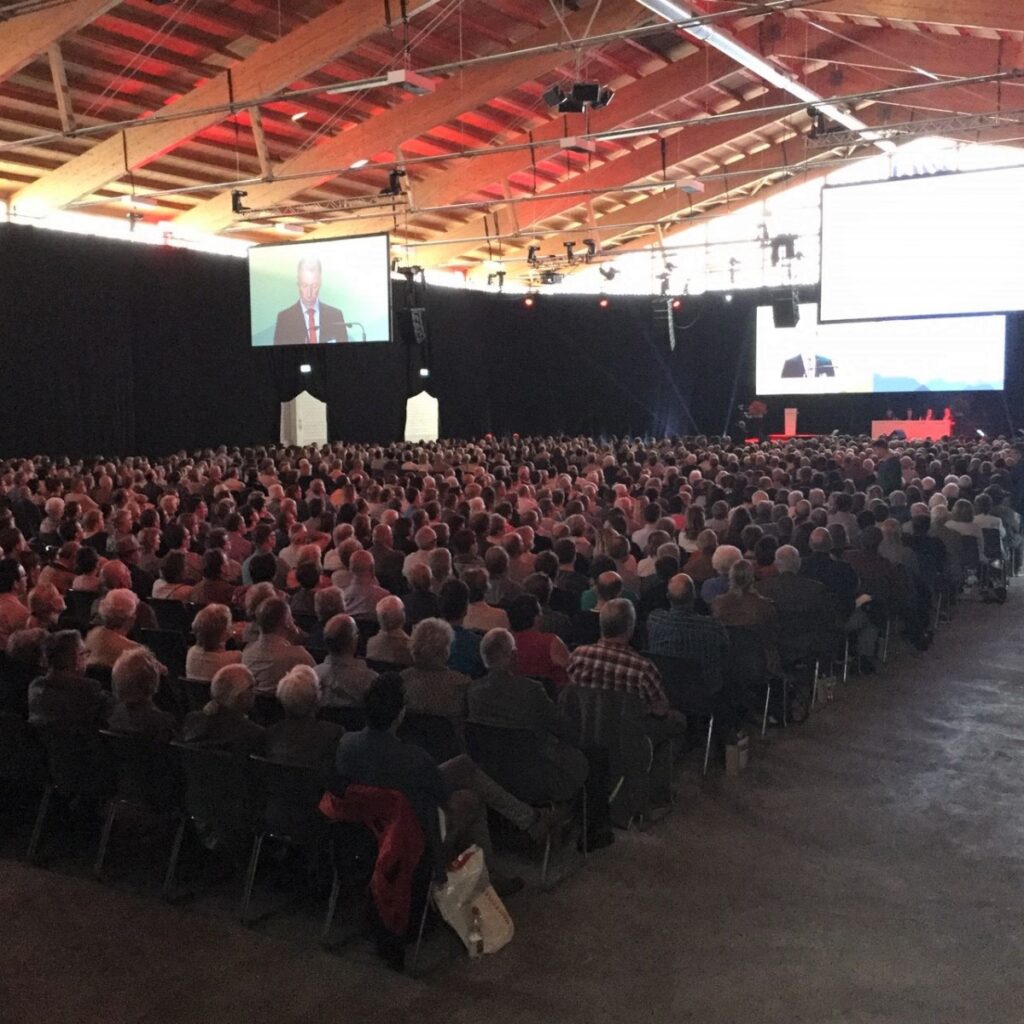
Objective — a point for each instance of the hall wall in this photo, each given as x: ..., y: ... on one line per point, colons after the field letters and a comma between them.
x: 110, y: 347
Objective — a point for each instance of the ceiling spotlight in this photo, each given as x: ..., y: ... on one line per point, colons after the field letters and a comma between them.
x: 565, y: 103
x: 424, y: 371
x: 554, y: 96
x: 305, y: 368
x: 359, y: 163
x: 677, y: 303
x: 299, y: 115
x: 603, y: 302
x: 604, y: 97
x: 237, y: 195
x: 608, y: 273
x: 980, y: 432
x: 531, y: 254
x: 394, y: 185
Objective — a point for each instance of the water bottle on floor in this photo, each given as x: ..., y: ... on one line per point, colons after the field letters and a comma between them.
x: 476, y: 937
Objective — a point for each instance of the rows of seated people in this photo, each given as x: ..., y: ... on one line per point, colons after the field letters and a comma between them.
x: 372, y: 612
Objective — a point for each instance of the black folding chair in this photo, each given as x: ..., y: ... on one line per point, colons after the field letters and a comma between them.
x: 351, y: 719
x: 169, y: 646
x: 995, y: 558
x: 175, y: 616
x: 267, y: 710
x: 286, y: 798
x: 79, y: 772
x: 381, y: 667
x: 148, y: 777
x: 509, y: 756
x: 23, y: 766
x: 683, y: 680
x: 367, y: 628
x: 79, y: 609
x: 196, y: 691
x: 434, y: 733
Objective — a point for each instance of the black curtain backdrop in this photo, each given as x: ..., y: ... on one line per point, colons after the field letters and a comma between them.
x: 112, y: 348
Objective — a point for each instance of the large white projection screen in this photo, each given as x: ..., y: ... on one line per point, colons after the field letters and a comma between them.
x: 938, y: 246
x: 944, y: 354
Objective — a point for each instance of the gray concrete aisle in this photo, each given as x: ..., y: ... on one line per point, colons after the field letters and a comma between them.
x: 868, y: 868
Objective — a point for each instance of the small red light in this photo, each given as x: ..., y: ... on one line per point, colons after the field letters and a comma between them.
x: 528, y: 302
x: 677, y: 303
x: 603, y: 303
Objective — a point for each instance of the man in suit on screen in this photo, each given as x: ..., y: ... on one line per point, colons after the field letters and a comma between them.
x: 310, y: 321
x: 808, y: 366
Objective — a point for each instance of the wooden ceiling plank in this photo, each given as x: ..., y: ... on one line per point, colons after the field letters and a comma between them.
x: 451, y: 97
x: 988, y: 14
x: 271, y: 67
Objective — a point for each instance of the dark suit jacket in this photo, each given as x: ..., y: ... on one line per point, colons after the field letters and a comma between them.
x: 795, y: 367
x: 292, y: 329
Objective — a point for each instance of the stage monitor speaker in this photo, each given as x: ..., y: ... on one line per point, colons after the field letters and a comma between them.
x: 786, y: 311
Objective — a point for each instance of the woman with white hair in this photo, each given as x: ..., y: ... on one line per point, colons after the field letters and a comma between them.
x: 136, y: 679
x: 224, y: 721
x: 962, y: 522
x: 431, y: 688
x: 212, y: 628
x: 106, y: 642
x: 391, y: 644
x: 301, y: 738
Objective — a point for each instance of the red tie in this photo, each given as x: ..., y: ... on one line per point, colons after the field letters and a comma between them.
x: 312, y: 325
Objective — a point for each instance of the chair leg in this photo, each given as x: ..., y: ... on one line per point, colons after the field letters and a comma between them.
x: 37, y: 829
x: 172, y: 864
x: 885, y: 640
x: 108, y: 827
x: 764, y: 716
x: 938, y: 612
x: 814, y: 686
x: 250, y: 876
x: 332, y: 907
x: 544, y: 865
x: 707, y: 746
x: 423, y: 922
x: 846, y: 658
x: 586, y: 826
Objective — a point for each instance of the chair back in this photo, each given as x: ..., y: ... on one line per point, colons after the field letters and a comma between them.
x: 970, y: 557
x: 170, y: 697
x: 512, y: 757
x: 196, y: 691
x: 434, y: 733
x: 747, y: 660
x: 615, y: 722
x: 79, y: 608
x: 147, y: 773
x: 684, y: 682
x: 993, y: 544
x: 77, y: 762
x: 351, y: 719
x: 367, y: 628
x: 169, y: 646
x: 22, y: 755
x: 218, y: 788
x: 288, y: 796
x: 15, y: 679
x: 175, y: 616
x: 267, y: 710
x: 385, y: 666
x: 101, y: 673
x: 304, y: 622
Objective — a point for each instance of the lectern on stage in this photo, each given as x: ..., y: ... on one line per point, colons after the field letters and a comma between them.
x: 304, y: 420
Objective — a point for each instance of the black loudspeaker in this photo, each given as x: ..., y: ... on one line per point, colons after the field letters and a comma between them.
x: 418, y: 316
x: 786, y: 311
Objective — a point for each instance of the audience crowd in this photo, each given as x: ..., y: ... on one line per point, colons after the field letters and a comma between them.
x: 480, y: 584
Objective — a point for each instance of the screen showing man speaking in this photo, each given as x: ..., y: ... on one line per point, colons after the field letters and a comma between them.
x: 333, y: 292
x: 941, y: 354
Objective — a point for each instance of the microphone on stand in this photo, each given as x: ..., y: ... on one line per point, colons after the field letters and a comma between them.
x: 356, y: 323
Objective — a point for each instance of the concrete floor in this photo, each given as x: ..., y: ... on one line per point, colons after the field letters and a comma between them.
x: 867, y: 868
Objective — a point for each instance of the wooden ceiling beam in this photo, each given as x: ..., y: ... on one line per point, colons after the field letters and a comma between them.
x: 1001, y: 15
x: 270, y: 68
x: 23, y: 39
x: 388, y: 130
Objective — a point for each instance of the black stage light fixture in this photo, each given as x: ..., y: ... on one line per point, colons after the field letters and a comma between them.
x: 608, y: 273
x: 394, y: 185
x: 237, y: 195
x: 531, y: 254
x: 604, y: 97
x: 569, y: 252
x: 586, y: 92
x: 786, y: 310
x: 551, y: 277
x: 591, y: 248
x: 554, y: 96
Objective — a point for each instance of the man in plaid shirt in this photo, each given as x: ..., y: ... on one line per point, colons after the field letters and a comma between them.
x: 611, y: 664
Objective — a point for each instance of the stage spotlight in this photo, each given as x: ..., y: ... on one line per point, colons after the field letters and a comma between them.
x: 499, y: 276
x: 424, y: 371
x: 604, y: 97
x: 237, y: 195
x: 728, y: 297
x: 554, y: 96
x: 980, y: 432
x: 603, y: 302
x: 677, y: 303
x: 608, y: 273
x: 394, y: 185
x: 305, y: 368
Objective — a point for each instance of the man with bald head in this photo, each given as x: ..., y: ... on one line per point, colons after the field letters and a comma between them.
x: 806, y: 612
x: 387, y: 562
x: 391, y: 643
x: 586, y: 626
x: 679, y: 632
x: 426, y: 541
x: 363, y: 592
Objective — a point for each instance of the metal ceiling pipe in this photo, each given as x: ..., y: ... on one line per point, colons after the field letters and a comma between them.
x: 726, y: 43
